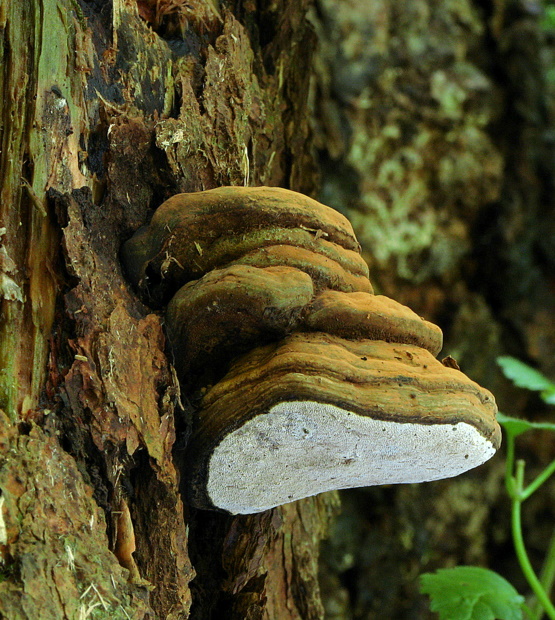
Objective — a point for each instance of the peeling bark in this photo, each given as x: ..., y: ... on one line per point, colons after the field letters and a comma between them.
x: 112, y: 108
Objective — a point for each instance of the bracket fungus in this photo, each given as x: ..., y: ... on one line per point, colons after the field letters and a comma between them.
x: 310, y: 382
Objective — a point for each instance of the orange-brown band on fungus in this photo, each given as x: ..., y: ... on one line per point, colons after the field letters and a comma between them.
x: 359, y: 315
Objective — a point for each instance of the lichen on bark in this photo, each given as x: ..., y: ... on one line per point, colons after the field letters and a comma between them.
x: 404, y: 110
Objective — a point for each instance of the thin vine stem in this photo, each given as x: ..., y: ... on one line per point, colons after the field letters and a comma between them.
x: 518, y: 541
x: 547, y: 576
x: 509, y: 466
x: 536, y: 484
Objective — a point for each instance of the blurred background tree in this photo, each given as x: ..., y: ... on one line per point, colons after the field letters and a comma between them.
x: 435, y: 135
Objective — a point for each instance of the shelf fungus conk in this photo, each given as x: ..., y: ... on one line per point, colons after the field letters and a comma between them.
x: 317, y: 384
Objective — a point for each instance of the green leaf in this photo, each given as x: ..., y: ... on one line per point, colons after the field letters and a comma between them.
x: 471, y: 593
x: 527, y: 377
x: 516, y: 426
x: 549, y: 396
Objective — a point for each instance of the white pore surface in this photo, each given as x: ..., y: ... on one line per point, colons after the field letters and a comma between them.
x: 299, y: 449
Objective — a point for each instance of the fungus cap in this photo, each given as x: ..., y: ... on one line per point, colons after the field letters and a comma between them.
x: 317, y: 412
x: 231, y: 309
x: 361, y: 315
x: 191, y: 234
x: 347, y: 394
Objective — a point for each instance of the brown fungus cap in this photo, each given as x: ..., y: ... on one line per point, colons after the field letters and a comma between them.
x: 191, y: 234
x: 317, y: 412
x: 325, y: 272
x: 360, y: 315
x: 348, y: 393
x: 232, y: 309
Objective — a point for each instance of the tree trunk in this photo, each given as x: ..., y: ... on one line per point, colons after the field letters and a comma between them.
x: 110, y: 109
x: 432, y: 126
x: 434, y: 123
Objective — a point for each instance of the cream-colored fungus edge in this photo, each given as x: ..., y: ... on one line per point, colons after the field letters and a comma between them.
x: 302, y: 448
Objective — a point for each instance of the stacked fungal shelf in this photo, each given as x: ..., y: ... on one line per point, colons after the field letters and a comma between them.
x: 320, y: 384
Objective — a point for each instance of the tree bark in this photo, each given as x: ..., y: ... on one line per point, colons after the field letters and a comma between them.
x: 433, y: 133
x: 112, y: 108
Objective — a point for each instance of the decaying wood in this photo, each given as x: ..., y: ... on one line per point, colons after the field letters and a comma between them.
x: 109, y: 115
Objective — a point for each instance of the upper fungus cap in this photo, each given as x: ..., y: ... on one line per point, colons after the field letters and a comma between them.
x: 191, y: 234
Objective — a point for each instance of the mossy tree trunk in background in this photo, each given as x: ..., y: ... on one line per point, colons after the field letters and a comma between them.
x: 107, y: 110
x: 434, y: 125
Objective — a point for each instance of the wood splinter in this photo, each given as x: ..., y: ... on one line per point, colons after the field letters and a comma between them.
x: 326, y: 385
